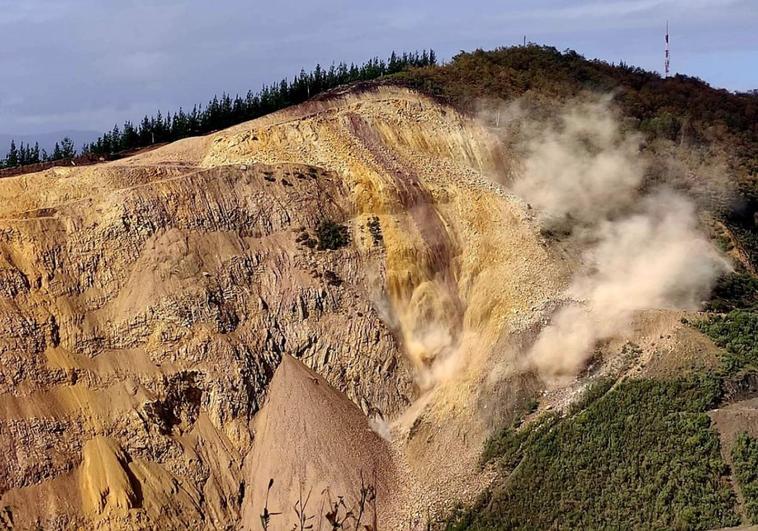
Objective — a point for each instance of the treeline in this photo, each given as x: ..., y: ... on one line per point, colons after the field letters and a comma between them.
x: 25, y: 154
x: 224, y: 111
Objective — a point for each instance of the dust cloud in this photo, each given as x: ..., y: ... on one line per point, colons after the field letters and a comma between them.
x: 581, y: 169
x: 584, y: 176
x: 380, y: 426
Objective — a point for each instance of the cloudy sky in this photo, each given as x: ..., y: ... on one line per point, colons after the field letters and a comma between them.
x: 86, y: 64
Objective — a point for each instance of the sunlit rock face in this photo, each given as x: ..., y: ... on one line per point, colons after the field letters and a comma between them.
x: 146, y: 304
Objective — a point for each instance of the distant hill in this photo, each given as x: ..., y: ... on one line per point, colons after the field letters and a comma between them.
x: 47, y: 140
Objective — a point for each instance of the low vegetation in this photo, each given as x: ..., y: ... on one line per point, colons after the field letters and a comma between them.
x: 734, y: 291
x: 507, y: 446
x: 745, y: 458
x: 735, y: 332
x: 329, y: 235
x: 744, y: 227
x: 375, y: 228
x: 332, y: 278
x: 667, y: 107
x: 641, y: 454
x: 638, y: 454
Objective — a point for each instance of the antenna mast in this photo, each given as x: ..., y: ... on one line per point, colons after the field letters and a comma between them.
x: 667, y: 57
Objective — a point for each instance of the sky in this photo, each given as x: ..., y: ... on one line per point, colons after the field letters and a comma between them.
x: 88, y: 64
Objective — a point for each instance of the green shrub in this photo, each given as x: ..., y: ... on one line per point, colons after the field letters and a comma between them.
x: 332, y: 278
x: 305, y: 239
x: 664, y: 125
x: 332, y: 235
x: 745, y: 457
x: 593, y: 392
x: 507, y: 445
x: 375, y: 229
x: 532, y: 405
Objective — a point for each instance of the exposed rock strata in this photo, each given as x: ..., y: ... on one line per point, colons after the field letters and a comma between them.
x: 146, y: 304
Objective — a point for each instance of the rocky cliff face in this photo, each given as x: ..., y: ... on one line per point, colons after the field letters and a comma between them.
x: 146, y: 304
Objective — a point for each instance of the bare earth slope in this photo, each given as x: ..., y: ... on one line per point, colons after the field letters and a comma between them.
x: 146, y: 304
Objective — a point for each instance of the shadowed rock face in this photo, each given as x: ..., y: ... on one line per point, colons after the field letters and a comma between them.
x: 146, y: 304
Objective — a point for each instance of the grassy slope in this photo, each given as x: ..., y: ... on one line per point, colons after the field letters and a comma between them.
x: 737, y: 333
x: 640, y: 454
x: 643, y: 455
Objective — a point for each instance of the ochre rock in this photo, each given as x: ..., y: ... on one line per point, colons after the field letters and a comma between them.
x: 145, y: 304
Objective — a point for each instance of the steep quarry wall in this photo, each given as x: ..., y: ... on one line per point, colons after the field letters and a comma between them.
x: 145, y: 306
x: 423, y: 170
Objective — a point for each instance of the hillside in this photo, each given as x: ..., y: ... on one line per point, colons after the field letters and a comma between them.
x: 712, y: 124
x: 604, y: 460
x: 458, y: 297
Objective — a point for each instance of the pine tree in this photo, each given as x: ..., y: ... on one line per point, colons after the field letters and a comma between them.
x: 22, y: 154
x: 129, y: 136
x: 115, y: 139
x: 11, y: 159
x: 67, y: 148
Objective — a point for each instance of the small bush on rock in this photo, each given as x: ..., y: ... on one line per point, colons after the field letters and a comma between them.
x: 332, y: 235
